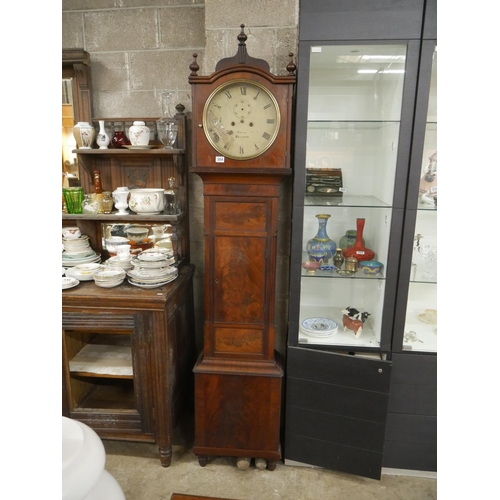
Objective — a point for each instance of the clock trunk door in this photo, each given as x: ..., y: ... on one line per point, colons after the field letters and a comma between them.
x: 336, y: 408
x: 239, y: 271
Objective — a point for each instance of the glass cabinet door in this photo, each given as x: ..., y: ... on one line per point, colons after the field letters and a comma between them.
x: 354, y: 121
x: 420, y: 328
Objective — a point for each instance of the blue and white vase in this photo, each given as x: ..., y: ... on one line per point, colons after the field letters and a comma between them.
x: 321, y: 243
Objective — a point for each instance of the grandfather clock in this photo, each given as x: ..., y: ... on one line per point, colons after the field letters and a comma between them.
x: 242, y: 122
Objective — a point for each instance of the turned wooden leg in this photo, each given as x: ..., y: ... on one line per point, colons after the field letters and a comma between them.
x: 165, y: 456
x: 271, y: 465
x: 202, y: 460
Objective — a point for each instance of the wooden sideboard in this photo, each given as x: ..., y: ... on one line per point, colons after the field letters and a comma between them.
x: 128, y: 355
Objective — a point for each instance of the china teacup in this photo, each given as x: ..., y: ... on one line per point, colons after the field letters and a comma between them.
x: 123, y: 252
x: 71, y: 232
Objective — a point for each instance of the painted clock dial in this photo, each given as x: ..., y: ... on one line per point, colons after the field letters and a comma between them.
x: 241, y: 119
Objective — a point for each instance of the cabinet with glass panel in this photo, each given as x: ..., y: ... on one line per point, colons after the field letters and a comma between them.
x: 350, y: 209
x: 416, y: 318
x: 357, y: 398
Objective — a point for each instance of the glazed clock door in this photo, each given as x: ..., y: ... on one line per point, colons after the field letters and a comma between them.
x: 353, y: 137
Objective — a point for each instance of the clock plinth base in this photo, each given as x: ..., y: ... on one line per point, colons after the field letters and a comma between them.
x: 237, y: 409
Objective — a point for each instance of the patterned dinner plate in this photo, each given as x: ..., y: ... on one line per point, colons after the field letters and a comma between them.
x: 319, y: 327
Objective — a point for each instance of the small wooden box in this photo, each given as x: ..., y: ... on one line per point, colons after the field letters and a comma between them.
x: 324, y: 181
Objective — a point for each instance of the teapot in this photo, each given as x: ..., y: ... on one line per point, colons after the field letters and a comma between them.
x: 148, y: 201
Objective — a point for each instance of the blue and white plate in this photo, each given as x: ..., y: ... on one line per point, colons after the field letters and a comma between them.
x: 319, y: 327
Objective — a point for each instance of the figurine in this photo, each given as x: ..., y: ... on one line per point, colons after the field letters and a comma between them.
x: 353, y: 313
x: 353, y: 319
x: 352, y: 324
x: 428, y: 183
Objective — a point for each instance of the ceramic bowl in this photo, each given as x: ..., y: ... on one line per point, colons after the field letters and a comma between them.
x: 137, y: 234
x: 370, y: 266
x: 109, y: 277
x: 71, y: 232
x: 90, y: 268
x: 113, y: 241
x: 83, y: 272
x: 311, y: 266
x: 147, y: 200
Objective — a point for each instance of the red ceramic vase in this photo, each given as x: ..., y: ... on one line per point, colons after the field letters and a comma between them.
x: 358, y: 250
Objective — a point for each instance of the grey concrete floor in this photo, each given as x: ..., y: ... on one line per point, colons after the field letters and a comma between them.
x: 137, y: 468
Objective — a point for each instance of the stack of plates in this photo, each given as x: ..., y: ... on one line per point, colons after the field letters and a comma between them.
x: 109, y: 278
x: 78, y: 251
x: 116, y: 263
x: 319, y: 327
x: 152, y: 268
x: 83, y: 272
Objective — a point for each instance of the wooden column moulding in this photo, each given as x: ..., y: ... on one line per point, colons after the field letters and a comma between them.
x: 76, y: 65
x: 242, y: 121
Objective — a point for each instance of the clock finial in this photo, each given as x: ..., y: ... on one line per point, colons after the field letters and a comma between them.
x: 291, y: 67
x: 242, y: 56
x: 194, y: 67
x: 242, y: 36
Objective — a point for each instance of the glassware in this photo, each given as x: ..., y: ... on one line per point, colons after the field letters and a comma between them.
x: 90, y: 205
x: 167, y: 124
x: 119, y: 138
x: 73, y: 197
x: 107, y: 202
x: 172, y: 198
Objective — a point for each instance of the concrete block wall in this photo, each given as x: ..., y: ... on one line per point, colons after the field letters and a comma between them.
x: 141, y: 48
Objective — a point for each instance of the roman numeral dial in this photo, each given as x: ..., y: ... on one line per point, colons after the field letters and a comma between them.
x: 245, y: 118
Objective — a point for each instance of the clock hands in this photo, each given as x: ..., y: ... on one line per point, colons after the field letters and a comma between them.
x: 216, y: 124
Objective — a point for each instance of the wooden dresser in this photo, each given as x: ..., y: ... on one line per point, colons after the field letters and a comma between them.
x: 128, y: 355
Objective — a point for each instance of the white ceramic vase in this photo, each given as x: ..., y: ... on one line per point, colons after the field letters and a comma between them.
x: 103, y: 139
x: 120, y: 196
x: 139, y: 134
x: 84, y: 135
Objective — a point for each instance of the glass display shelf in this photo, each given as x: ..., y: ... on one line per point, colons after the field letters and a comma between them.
x: 327, y: 272
x: 420, y: 333
x: 345, y: 201
x: 367, y: 337
x: 328, y: 298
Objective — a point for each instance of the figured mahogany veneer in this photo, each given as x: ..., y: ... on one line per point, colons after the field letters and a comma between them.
x: 238, y: 376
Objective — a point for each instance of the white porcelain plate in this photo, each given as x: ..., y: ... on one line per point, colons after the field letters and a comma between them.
x: 150, y: 285
x: 69, y: 282
x: 151, y: 256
